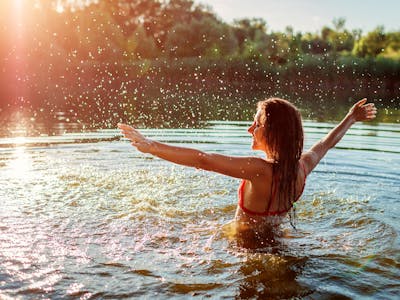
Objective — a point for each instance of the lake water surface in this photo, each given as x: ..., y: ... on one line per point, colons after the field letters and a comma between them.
x: 87, y: 216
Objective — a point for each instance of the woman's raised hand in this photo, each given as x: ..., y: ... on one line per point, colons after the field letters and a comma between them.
x: 362, y: 111
x: 137, y: 139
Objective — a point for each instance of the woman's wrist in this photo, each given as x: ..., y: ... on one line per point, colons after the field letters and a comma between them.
x: 350, y: 118
x: 151, y: 146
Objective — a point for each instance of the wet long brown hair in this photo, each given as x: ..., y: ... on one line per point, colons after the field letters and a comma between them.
x: 284, y: 135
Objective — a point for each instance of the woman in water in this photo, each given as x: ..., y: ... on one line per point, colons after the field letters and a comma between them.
x: 271, y: 185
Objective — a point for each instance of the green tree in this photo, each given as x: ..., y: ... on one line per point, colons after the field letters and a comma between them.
x: 160, y: 23
x: 314, y: 44
x: 251, y: 35
x: 129, y: 14
x: 372, y: 44
x: 289, y: 44
x: 392, y: 49
x: 201, y: 37
x: 138, y: 46
x: 338, y: 39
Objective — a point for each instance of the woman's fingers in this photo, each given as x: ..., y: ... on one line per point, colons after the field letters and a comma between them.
x: 361, y: 102
x: 122, y: 126
x: 370, y: 111
x: 125, y: 128
x: 363, y: 111
x: 370, y: 108
x: 130, y: 133
x: 369, y: 105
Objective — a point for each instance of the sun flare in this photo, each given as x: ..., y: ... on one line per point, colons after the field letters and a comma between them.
x: 20, y: 140
x: 21, y: 163
x: 62, y: 5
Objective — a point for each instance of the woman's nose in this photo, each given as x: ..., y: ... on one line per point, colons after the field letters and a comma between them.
x: 251, y: 128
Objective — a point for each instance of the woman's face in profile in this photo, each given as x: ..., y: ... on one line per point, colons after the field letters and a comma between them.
x: 257, y: 130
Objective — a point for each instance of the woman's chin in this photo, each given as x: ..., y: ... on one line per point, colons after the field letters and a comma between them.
x: 256, y: 147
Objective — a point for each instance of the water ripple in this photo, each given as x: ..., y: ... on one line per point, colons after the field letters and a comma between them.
x: 100, y: 220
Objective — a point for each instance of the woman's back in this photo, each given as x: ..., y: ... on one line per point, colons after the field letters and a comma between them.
x: 260, y: 200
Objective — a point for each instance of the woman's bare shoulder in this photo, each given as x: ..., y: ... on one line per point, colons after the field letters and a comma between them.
x: 264, y: 167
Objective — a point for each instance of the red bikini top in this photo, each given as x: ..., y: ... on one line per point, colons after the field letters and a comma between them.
x: 267, y: 212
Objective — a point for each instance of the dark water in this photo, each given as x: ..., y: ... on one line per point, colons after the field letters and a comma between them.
x: 181, y: 111
x: 86, y: 216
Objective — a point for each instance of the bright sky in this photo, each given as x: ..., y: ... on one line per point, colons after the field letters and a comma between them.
x: 312, y: 15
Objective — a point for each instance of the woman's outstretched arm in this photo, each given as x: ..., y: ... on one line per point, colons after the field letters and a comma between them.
x: 239, y: 167
x: 359, y: 112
